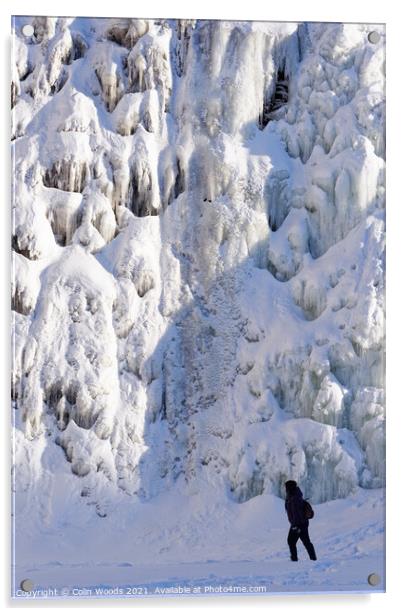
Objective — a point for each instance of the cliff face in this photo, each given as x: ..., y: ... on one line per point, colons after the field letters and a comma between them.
x: 198, y: 251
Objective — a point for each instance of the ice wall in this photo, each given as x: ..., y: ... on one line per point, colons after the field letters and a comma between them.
x: 198, y: 237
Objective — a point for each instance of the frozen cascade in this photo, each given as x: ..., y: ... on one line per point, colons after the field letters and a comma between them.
x: 198, y: 271
x: 66, y: 175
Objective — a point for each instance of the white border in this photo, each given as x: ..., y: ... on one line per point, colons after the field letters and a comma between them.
x: 291, y: 10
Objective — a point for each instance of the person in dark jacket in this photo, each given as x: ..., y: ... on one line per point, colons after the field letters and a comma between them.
x: 294, y: 506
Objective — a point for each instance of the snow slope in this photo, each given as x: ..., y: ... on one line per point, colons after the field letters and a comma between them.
x: 198, y: 292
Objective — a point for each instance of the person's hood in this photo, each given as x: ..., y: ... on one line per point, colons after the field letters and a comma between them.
x: 296, y: 492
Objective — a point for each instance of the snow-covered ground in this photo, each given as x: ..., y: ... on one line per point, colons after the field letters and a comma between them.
x: 200, y: 543
x: 198, y: 297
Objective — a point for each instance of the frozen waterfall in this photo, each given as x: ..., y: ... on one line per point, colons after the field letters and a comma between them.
x: 198, y: 255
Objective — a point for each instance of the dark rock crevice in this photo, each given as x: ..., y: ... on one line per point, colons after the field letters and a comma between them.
x: 277, y: 100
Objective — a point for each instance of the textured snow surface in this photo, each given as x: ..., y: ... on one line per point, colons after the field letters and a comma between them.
x: 200, y: 542
x: 198, y: 270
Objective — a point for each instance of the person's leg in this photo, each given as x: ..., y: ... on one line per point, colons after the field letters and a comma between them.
x: 292, y: 539
x: 304, y: 536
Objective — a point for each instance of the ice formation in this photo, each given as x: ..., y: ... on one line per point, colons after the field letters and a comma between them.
x: 198, y: 237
